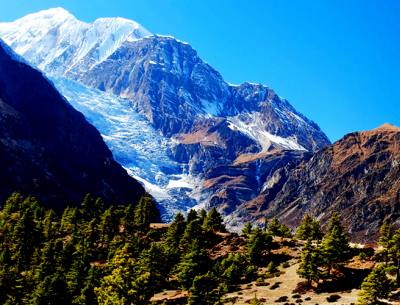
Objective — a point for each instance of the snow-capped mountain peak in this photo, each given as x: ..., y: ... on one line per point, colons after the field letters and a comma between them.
x: 169, y: 117
x: 56, y: 13
x: 57, y: 42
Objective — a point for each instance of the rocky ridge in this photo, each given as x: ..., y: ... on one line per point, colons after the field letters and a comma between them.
x: 358, y: 176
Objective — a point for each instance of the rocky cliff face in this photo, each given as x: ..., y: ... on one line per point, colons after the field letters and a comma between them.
x: 358, y: 176
x: 198, y: 125
x: 47, y: 149
x: 177, y: 91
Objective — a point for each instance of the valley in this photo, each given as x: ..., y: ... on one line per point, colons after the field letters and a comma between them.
x: 134, y: 173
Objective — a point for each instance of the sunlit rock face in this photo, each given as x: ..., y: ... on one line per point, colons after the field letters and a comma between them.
x: 168, y: 117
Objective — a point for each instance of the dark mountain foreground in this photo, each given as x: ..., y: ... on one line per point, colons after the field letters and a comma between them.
x: 48, y: 149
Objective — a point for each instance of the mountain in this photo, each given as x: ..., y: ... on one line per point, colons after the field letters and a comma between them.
x: 47, y: 148
x: 358, y: 176
x: 154, y: 93
x: 58, y: 43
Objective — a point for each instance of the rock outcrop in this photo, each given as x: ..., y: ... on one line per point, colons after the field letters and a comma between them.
x: 358, y: 176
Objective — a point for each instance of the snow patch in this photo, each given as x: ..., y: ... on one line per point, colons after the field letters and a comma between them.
x: 252, y: 125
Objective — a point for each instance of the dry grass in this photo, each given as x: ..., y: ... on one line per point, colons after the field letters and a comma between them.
x: 286, y: 284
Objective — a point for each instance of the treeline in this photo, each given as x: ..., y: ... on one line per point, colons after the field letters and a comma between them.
x: 98, y: 254
x: 95, y: 254
x: 47, y: 259
x: 324, y: 252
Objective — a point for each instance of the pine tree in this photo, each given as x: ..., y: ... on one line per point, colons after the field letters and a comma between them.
x: 276, y: 228
x: 247, y: 229
x: 204, y: 290
x: 154, y: 262
x: 146, y: 212
x: 394, y: 254
x: 108, y: 226
x: 385, y: 238
x: 194, y: 263
x: 202, y: 215
x: 213, y: 221
x: 117, y: 287
x: 175, y: 232
x: 50, y: 225
x: 52, y: 290
x: 335, y: 245
x: 26, y: 236
x: 192, y: 215
x: 69, y: 220
x: 309, y: 263
x: 309, y: 228
x: 258, y: 242
x: 193, y: 234
x: 375, y: 286
x: 88, y: 207
x: 316, y: 231
x: 87, y: 294
x: 233, y: 268
x: 127, y: 220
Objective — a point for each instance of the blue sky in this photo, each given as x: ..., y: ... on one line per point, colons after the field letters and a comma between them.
x: 338, y: 62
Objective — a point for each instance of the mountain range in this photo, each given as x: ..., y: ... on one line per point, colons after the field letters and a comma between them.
x: 194, y: 140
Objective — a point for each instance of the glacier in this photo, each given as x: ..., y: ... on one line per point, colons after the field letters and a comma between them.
x: 157, y: 104
x: 136, y: 145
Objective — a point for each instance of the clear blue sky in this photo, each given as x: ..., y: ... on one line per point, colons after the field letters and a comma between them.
x: 338, y: 61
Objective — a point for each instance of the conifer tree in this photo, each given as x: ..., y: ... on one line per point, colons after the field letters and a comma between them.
x: 375, y: 286
x: 52, y: 290
x: 175, y: 232
x: 88, y: 207
x: 394, y: 253
x: 214, y: 221
x: 309, y: 228
x: 154, y: 262
x: 316, y: 231
x: 146, y: 212
x: 386, y: 238
x: 26, y: 237
x: 204, y: 290
x: 194, y: 263
x: 69, y: 220
x: 257, y: 243
x: 273, y: 226
x: 108, y: 226
x: 50, y: 225
x: 127, y: 220
x: 276, y: 228
x: 193, y: 233
x: 233, y: 268
x: 335, y: 245
x: 309, y: 263
x: 247, y: 229
x: 202, y: 214
x: 117, y: 287
x: 192, y: 215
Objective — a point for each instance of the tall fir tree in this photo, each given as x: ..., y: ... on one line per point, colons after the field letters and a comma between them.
x: 310, y: 263
x: 214, y: 221
x: 335, y: 244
